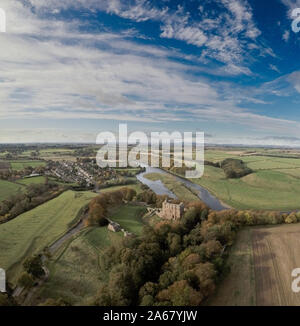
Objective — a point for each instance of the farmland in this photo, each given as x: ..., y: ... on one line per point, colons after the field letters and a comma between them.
x: 276, y: 254
x: 261, y: 259
x: 238, y: 287
x: 30, y: 232
x: 136, y: 187
x: 8, y: 189
x: 261, y: 264
x: 32, y: 180
x: 20, y: 165
x: 273, y: 185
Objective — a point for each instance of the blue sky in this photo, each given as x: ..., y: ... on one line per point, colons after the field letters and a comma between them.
x: 71, y: 69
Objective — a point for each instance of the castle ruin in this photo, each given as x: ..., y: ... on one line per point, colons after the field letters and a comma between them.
x: 171, y: 211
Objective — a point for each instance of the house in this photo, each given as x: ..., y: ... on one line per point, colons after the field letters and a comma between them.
x: 171, y: 211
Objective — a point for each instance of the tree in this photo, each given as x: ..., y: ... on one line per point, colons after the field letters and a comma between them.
x: 33, y: 265
x: 181, y: 293
x: 147, y: 300
x: 205, y: 274
x: 26, y: 280
x: 55, y: 302
x: 7, y: 300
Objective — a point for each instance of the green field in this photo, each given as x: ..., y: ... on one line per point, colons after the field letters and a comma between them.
x: 33, y: 180
x: 264, y: 189
x: 136, y: 187
x: 32, y: 231
x: 20, y: 165
x: 8, y: 189
x: 129, y: 217
x: 273, y: 185
x: 176, y: 187
x: 75, y: 270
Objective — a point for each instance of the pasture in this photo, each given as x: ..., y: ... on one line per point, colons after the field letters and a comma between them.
x: 21, y: 165
x: 136, y: 187
x: 8, y: 189
x: 274, y: 184
x: 32, y: 180
x: 31, y: 232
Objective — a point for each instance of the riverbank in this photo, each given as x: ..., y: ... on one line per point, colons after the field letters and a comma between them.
x: 160, y: 189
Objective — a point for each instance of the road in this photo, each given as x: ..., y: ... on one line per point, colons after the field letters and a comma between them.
x: 52, y: 248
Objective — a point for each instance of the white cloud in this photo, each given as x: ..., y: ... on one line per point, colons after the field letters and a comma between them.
x: 222, y: 37
x: 52, y: 70
x: 275, y: 68
x: 286, y: 35
x: 291, y: 4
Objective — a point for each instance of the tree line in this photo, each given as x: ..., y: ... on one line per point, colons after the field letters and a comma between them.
x: 177, y: 263
x: 36, y: 194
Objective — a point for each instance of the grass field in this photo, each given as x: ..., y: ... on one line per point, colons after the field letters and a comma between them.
x: 176, y: 187
x: 75, y: 273
x: 129, y: 217
x: 33, y: 180
x: 30, y: 232
x: 261, y: 264
x: 20, y: 165
x: 136, y: 187
x: 8, y: 189
x: 275, y: 183
x: 75, y: 270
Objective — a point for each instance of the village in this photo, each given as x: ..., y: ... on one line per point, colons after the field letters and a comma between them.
x: 84, y: 172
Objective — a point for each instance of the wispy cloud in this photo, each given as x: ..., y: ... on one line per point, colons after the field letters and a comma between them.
x: 54, y: 69
x: 228, y: 37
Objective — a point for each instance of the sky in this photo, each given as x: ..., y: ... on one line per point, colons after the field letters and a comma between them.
x: 71, y: 69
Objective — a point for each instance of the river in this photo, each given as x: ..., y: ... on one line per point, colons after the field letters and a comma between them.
x: 160, y: 189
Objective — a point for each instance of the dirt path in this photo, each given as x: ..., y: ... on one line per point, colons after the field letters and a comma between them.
x: 74, y: 230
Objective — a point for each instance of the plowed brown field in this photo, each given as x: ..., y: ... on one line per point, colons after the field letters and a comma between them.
x: 276, y: 253
x: 262, y: 261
